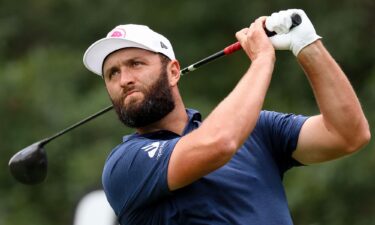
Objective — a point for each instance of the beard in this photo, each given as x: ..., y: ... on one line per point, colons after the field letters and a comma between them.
x: 157, y: 103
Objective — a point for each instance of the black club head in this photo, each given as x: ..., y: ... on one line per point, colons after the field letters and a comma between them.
x: 29, y: 166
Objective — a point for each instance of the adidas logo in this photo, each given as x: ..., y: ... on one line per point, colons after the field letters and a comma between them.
x: 151, y: 149
x: 163, y: 45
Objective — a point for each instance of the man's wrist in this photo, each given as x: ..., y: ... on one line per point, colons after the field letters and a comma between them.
x: 312, y: 49
x: 298, y: 46
x: 265, y: 58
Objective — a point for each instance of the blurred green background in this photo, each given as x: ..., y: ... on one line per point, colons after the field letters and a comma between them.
x: 44, y: 87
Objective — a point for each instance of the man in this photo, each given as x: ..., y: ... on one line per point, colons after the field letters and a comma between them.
x: 227, y: 169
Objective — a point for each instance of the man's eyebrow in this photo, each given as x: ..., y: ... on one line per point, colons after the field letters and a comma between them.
x: 124, y: 62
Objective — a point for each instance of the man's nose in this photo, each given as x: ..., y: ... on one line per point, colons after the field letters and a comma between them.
x: 126, y: 78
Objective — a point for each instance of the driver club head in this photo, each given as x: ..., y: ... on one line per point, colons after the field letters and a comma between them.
x: 29, y: 166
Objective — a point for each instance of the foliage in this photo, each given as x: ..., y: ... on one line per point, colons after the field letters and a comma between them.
x: 45, y: 87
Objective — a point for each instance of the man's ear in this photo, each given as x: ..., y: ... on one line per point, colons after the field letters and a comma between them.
x: 173, y: 72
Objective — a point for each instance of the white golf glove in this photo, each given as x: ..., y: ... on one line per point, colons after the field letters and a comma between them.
x: 294, y: 39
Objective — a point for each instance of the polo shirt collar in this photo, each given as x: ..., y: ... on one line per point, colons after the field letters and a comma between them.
x: 194, y: 121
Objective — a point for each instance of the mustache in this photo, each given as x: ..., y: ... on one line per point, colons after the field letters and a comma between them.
x: 129, y: 89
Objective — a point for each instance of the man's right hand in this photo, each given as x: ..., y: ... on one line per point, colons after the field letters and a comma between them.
x: 254, y: 40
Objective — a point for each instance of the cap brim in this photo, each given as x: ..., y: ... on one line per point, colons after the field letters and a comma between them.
x: 97, y: 52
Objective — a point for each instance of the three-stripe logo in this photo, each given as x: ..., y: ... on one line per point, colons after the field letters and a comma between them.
x: 151, y: 149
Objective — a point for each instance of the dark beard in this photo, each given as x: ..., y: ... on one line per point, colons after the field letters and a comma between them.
x: 157, y: 103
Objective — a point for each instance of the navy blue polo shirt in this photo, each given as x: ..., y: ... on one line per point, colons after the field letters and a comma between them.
x: 246, y: 190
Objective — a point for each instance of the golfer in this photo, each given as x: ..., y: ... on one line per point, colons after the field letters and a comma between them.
x: 228, y: 168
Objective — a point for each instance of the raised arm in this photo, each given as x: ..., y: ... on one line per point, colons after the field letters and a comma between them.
x: 213, y: 144
x: 342, y: 127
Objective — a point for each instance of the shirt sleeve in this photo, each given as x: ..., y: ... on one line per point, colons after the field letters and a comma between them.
x: 136, y: 174
x: 282, y: 132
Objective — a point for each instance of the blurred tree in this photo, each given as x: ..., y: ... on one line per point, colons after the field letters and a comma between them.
x: 45, y: 87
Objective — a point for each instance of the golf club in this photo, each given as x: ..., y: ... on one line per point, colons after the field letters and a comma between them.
x: 296, y: 20
x: 29, y: 165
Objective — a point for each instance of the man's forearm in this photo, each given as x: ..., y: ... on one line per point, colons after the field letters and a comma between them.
x: 335, y: 96
x: 244, y: 103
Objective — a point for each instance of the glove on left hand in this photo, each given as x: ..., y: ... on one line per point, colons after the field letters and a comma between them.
x: 291, y: 39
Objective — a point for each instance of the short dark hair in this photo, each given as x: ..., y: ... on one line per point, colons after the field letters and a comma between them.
x: 164, y: 60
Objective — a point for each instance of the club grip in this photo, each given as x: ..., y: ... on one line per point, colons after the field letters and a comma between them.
x: 232, y: 48
x: 296, y: 20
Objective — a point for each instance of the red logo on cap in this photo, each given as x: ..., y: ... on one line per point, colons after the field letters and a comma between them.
x: 118, y: 33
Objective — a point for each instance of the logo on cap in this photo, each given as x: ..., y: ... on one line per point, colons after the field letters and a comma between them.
x: 163, y: 45
x: 117, y: 32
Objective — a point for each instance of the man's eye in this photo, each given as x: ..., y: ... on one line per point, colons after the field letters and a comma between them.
x: 113, y: 73
x: 136, y: 63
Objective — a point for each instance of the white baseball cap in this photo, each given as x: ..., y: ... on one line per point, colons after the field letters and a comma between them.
x: 126, y: 36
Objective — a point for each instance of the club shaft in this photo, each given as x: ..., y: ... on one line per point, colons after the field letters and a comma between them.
x: 296, y: 20
x: 108, y: 108
x: 226, y: 51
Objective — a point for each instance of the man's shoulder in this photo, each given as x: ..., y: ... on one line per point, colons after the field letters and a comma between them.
x: 273, y: 120
x: 274, y: 115
x: 265, y: 116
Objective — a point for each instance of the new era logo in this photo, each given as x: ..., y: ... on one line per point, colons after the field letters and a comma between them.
x: 163, y: 45
x: 151, y: 149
